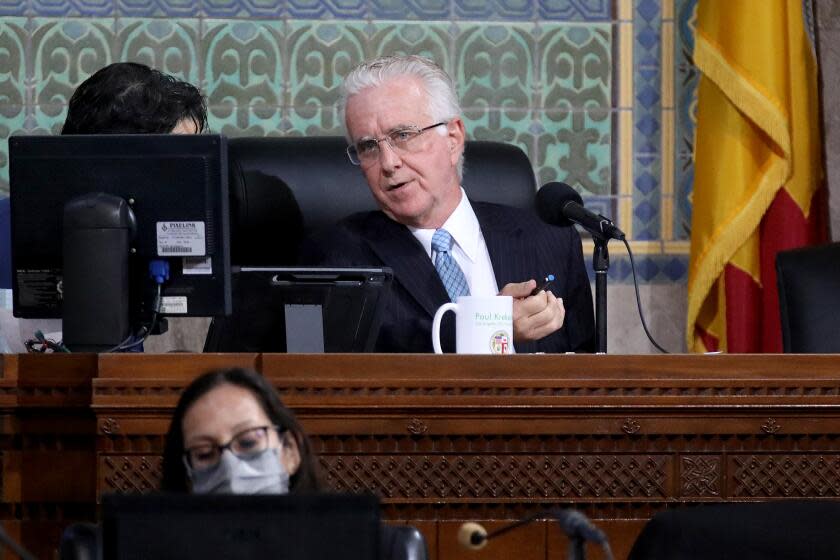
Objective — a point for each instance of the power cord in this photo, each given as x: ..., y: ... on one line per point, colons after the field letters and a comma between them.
x: 159, y: 271
x: 43, y: 345
x: 140, y: 337
x: 639, y: 301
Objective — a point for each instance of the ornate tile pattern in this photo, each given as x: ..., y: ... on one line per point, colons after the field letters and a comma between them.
x: 320, y: 53
x: 243, y: 75
x: 648, y: 124
x: 685, y: 84
x: 13, y: 7
x: 245, y: 9
x: 575, y: 10
x: 158, y: 8
x: 541, y: 74
x: 421, y: 10
x: 65, y: 8
x: 13, y: 43
x: 169, y: 45
x: 505, y: 10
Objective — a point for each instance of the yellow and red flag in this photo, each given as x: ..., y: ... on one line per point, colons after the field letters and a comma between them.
x: 758, y: 183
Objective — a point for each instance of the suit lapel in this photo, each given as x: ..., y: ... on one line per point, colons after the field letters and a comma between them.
x: 509, y: 251
x: 395, y: 245
x: 510, y: 254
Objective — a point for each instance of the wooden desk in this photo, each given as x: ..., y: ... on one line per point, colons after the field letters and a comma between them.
x: 443, y: 439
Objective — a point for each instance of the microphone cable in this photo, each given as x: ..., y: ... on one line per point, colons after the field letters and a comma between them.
x: 639, y: 301
x: 10, y: 543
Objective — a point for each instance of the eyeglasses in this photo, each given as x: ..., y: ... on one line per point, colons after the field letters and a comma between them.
x: 243, y: 444
x: 403, y: 140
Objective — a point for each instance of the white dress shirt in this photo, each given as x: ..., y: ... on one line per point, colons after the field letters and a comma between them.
x: 468, y: 249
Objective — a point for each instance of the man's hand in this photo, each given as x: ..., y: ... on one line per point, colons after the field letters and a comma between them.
x: 534, y: 317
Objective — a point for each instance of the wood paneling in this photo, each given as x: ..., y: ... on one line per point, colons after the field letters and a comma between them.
x: 445, y: 439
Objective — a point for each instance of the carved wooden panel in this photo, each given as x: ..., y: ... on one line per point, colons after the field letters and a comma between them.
x: 343, y: 442
x: 129, y: 473
x: 700, y: 476
x: 795, y: 475
x: 448, y: 438
x: 512, y: 477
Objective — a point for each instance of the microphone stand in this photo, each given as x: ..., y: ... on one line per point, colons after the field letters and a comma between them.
x: 577, y: 544
x: 577, y: 548
x: 600, y: 264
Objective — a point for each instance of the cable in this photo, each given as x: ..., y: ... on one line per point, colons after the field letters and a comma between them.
x: 41, y: 344
x: 639, y: 300
x: 144, y: 332
x: 159, y: 272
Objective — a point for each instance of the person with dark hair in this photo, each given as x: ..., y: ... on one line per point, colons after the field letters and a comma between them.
x: 230, y: 433
x: 131, y: 98
x: 121, y: 98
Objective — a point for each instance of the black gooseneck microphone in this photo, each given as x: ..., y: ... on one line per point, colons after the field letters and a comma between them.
x: 574, y: 524
x: 561, y: 205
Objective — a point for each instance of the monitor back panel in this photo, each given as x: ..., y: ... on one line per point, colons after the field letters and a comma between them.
x: 196, y: 527
x: 271, y: 306
x: 168, y: 180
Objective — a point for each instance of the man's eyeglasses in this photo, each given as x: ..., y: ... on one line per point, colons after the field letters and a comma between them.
x: 245, y: 443
x: 402, y: 140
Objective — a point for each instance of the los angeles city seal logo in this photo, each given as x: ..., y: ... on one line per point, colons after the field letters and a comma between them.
x: 500, y: 343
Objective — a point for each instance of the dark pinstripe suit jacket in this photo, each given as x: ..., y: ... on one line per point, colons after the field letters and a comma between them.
x: 520, y: 246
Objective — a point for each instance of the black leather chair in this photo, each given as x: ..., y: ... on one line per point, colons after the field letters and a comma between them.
x: 790, y: 530
x: 282, y: 189
x: 83, y: 541
x: 809, y: 298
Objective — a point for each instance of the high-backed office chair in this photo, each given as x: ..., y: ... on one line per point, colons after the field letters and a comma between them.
x: 793, y: 530
x: 809, y: 298
x: 83, y: 541
x: 283, y: 189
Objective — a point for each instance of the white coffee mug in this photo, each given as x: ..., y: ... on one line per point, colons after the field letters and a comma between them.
x: 483, y: 325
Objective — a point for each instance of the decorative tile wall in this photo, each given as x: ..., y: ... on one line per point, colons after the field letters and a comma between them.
x: 599, y: 93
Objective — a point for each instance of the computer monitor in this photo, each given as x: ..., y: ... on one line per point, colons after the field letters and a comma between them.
x: 303, y: 310
x: 90, y: 213
x: 197, y: 527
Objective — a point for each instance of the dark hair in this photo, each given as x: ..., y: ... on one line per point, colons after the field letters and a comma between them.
x: 175, y: 477
x: 131, y: 98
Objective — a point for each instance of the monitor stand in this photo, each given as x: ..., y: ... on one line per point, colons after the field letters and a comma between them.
x: 98, y: 230
x: 304, y: 328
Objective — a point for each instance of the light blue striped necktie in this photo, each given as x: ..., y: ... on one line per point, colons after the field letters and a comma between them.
x: 447, y: 268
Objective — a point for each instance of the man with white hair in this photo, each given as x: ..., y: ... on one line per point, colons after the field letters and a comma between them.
x: 403, y: 122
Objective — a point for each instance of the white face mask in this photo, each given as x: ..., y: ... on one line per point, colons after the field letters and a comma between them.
x: 262, y: 473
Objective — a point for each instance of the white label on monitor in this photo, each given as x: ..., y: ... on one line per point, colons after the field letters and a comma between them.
x: 197, y: 265
x: 173, y: 305
x: 180, y: 239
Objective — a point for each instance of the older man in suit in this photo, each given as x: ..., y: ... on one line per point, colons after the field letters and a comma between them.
x: 404, y: 125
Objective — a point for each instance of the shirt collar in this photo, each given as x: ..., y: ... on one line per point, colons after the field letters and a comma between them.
x: 462, y: 225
